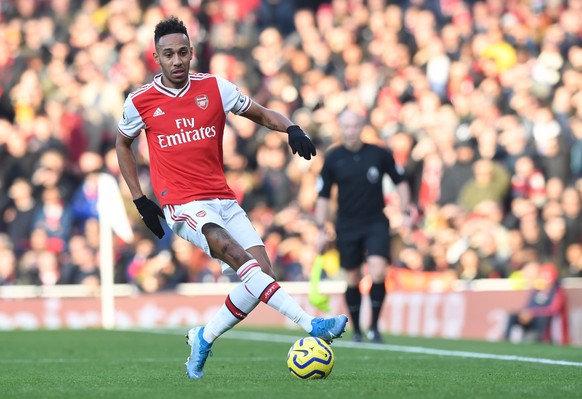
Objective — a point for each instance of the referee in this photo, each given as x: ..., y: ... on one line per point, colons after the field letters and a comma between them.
x: 362, y: 228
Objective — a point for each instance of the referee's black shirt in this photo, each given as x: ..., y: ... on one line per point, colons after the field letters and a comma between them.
x: 358, y: 176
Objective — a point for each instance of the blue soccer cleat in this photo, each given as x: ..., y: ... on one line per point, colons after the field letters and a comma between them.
x: 199, y: 353
x: 329, y: 329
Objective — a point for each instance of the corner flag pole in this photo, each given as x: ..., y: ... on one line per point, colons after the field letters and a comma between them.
x: 112, y: 218
x: 106, y: 270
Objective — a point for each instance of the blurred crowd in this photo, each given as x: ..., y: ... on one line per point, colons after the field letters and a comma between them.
x: 480, y: 102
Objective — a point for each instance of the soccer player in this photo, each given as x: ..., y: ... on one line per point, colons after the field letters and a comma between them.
x: 362, y: 229
x: 183, y: 116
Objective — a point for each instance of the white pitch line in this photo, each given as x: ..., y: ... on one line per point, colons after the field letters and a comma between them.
x: 251, y: 336
x: 262, y: 337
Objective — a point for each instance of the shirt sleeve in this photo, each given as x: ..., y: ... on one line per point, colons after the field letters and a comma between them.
x: 233, y: 99
x: 395, y: 172
x: 325, y: 180
x: 130, y: 123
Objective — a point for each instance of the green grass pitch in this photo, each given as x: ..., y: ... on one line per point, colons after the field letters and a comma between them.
x: 252, y: 364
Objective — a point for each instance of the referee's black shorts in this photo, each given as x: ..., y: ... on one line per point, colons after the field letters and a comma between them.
x: 359, y: 241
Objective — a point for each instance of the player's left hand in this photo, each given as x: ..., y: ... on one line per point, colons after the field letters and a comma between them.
x: 300, y: 143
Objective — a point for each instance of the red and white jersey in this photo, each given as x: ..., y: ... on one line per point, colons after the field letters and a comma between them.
x: 184, y: 129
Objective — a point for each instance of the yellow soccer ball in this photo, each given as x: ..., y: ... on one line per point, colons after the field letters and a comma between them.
x: 310, y: 358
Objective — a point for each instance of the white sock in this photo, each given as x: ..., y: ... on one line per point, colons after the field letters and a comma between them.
x: 267, y: 290
x: 237, y: 305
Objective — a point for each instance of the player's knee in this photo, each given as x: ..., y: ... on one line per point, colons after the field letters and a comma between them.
x: 223, y: 246
x: 377, y: 267
x: 378, y: 276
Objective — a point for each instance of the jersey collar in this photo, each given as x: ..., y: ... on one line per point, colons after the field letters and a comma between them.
x: 169, y: 91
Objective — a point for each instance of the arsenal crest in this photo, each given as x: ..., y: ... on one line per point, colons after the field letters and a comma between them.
x: 202, y: 101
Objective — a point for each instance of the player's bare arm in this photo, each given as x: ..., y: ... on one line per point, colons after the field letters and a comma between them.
x: 150, y: 211
x: 128, y: 165
x: 267, y: 117
x: 298, y: 140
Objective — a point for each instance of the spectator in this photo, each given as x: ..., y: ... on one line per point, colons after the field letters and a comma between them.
x: 455, y: 176
x: 272, y: 159
x: 469, y: 266
x: 84, y: 199
x: 160, y: 273
x: 514, y: 139
x: 17, y: 160
x: 51, y: 172
x: 532, y: 232
x: 55, y: 218
x: 574, y: 260
x: 528, y: 181
x: 546, y: 300
x: 18, y: 217
x: 490, y: 182
x: 41, y: 268
x: 576, y: 149
x: 82, y: 266
x: 571, y: 204
x: 554, y: 245
x: 8, y: 266
x: 409, y: 156
x: 551, y: 145
x: 195, y: 264
x: 492, y: 264
x: 431, y: 81
x: 145, y: 249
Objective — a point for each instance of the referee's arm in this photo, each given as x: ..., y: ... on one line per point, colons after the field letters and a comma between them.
x: 403, y: 190
x: 321, y: 211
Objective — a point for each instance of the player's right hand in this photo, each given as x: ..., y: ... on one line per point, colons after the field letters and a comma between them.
x: 150, y: 213
x: 300, y: 143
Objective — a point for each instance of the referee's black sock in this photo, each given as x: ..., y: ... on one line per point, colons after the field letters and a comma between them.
x: 377, y: 295
x: 354, y: 300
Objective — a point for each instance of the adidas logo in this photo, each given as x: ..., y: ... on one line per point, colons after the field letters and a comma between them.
x: 158, y: 112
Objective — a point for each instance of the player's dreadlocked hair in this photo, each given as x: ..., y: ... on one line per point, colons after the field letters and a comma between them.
x: 167, y: 27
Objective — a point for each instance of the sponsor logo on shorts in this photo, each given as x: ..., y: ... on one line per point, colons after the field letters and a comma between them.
x: 201, y: 214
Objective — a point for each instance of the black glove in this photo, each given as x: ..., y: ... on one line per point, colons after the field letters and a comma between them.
x: 300, y: 143
x: 150, y: 211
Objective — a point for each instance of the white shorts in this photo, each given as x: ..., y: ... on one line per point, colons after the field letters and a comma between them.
x: 187, y: 221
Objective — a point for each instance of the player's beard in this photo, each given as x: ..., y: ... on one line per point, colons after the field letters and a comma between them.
x: 174, y: 80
